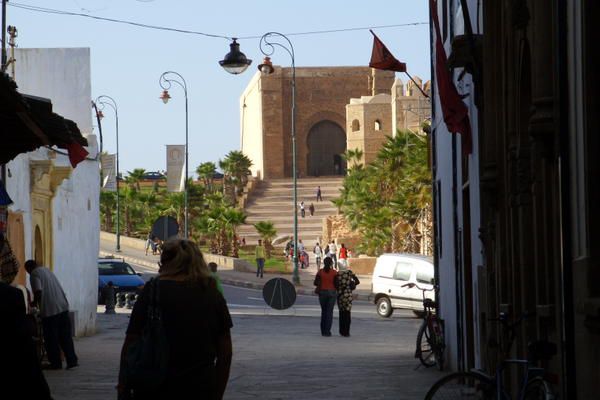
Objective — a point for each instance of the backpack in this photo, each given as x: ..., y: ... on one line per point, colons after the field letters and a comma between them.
x: 146, y: 360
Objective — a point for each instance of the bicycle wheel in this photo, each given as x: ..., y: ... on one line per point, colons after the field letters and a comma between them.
x: 425, y: 352
x: 463, y: 385
x: 538, y: 389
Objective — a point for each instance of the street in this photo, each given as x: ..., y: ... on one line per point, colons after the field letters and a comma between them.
x: 277, y: 354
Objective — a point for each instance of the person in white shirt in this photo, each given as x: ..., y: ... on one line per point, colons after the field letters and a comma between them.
x: 318, y: 255
x: 333, y: 253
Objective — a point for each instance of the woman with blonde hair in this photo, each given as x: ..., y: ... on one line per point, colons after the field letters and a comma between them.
x: 196, y: 324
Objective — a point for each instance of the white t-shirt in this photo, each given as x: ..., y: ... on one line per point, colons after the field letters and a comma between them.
x: 333, y: 249
x: 317, y: 251
x: 53, y: 300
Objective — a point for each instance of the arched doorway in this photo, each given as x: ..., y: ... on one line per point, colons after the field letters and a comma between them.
x: 38, y: 251
x: 326, y: 143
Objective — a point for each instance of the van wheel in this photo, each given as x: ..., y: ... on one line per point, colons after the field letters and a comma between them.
x: 419, y: 314
x: 384, y: 307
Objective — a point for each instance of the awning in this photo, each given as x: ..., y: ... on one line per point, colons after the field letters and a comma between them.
x: 27, y: 122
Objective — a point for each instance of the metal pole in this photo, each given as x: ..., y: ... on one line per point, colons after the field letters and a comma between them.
x: 118, y: 249
x: 296, y: 276
x: 107, y: 100
x: 268, y: 48
x: 3, y: 61
x: 185, y: 185
x: 165, y: 83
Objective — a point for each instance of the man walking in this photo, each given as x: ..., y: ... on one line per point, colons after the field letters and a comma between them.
x: 49, y: 296
x: 318, y: 255
x: 259, y: 254
x: 333, y: 254
x: 319, y: 197
x: 311, y: 209
x: 302, y: 210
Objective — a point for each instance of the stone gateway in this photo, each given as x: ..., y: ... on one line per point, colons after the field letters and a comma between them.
x: 322, y: 94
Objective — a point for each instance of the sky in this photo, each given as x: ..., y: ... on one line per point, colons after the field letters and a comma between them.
x: 127, y: 61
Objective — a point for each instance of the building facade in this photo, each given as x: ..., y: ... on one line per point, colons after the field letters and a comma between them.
x: 518, y: 218
x: 369, y: 119
x: 321, y: 97
x: 54, y: 217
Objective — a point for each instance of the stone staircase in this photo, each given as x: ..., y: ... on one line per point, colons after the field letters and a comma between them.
x: 272, y: 200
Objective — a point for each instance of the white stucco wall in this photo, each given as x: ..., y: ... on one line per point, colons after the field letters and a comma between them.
x: 64, y: 76
x: 251, y: 127
x: 451, y: 245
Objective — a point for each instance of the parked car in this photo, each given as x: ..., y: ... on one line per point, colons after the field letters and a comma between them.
x: 153, y: 176
x: 391, y: 272
x: 122, y: 275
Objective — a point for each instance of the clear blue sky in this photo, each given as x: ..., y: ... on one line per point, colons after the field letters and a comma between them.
x: 127, y: 61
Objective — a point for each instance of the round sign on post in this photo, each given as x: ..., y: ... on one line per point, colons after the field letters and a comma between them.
x: 279, y: 293
x: 165, y: 228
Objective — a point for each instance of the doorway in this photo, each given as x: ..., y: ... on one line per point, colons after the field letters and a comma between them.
x: 326, y: 144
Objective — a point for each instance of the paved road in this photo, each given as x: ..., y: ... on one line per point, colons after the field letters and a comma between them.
x: 277, y: 355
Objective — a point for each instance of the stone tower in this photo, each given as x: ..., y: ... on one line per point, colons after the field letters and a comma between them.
x: 322, y: 94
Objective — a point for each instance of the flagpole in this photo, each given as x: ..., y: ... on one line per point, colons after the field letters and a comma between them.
x: 416, y: 84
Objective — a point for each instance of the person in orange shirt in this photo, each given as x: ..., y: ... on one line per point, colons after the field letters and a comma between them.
x: 325, y: 283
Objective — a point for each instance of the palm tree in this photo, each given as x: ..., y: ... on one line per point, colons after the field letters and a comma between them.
x: 353, y: 157
x: 236, y: 167
x: 136, y: 176
x: 232, y: 218
x: 206, y: 171
x: 108, y: 201
x: 130, y: 207
x: 267, y: 232
x: 174, y: 204
x: 389, y: 200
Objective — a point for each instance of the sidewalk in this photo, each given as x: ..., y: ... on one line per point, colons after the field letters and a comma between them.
x: 235, y: 278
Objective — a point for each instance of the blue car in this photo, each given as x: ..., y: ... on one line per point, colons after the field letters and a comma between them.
x: 122, y: 276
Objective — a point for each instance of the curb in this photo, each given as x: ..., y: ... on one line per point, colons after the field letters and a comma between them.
x: 227, y: 281
x: 129, y: 259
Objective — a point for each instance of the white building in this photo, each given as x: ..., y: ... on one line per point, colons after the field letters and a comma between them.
x: 457, y: 207
x: 55, y: 214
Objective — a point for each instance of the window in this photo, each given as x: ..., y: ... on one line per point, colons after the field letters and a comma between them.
x: 424, y: 276
x: 355, y: 125
x: 377, y: 125
x: 403, y: 271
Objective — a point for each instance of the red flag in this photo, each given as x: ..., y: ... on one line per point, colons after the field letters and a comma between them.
x: 76, y: 153
x: 456, y: 113
x: 381, y: 58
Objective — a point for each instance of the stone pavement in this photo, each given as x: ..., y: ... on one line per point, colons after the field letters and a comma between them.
x: 235, y: 278
x: 276, y: 357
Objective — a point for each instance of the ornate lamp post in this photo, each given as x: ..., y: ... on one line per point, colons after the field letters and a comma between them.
x: 267, y: 46
x: 165, y: 81
x: 109, y: 101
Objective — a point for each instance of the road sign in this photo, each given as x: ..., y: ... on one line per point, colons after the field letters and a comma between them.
x: 165, y: 227
x: 279, y: 293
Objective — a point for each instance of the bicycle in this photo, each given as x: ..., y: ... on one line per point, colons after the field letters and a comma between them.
x: 476, y: 384
x: 431, y: 350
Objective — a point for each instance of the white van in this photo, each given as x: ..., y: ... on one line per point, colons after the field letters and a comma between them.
x: 391, y: 272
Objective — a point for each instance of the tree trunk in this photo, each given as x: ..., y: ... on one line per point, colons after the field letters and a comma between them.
x: 234, y: 246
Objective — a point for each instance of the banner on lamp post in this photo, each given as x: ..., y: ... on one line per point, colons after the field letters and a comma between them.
x: 109, y: 172
x: 175, y: 167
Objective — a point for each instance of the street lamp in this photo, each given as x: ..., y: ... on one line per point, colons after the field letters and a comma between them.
x: 165, y: 81
x: 235, y: 62
x: 109, y: 101
x: 267, y: 46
